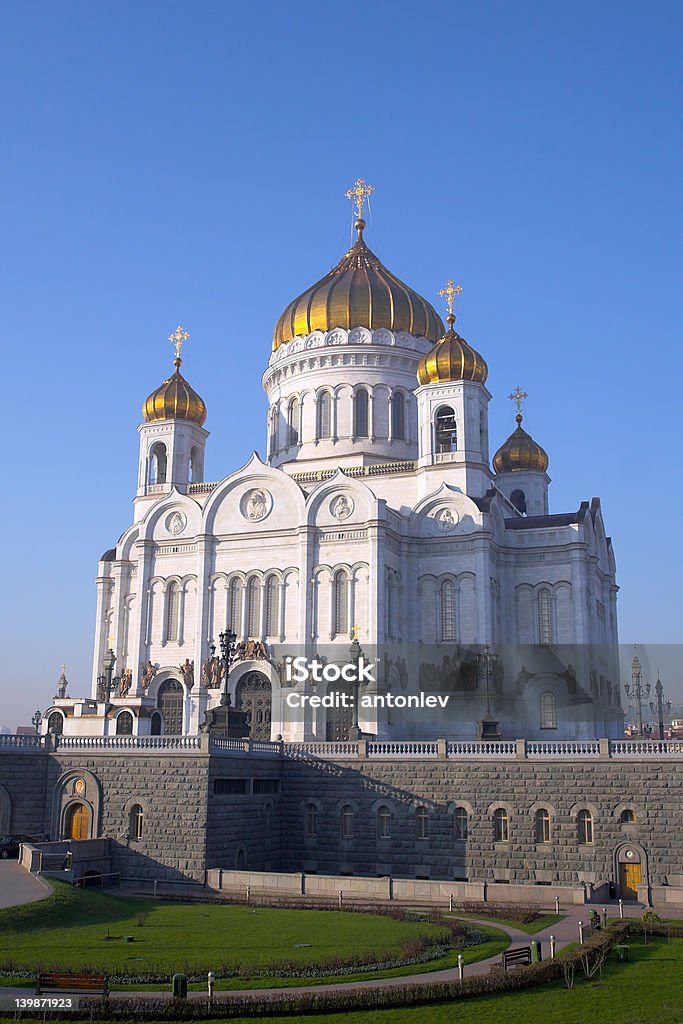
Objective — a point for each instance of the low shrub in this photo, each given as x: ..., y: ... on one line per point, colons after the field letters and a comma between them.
x: 503, y: 911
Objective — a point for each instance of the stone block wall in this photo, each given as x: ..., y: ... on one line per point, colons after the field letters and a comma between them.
x: 23, y: 779
x: 245, y: 829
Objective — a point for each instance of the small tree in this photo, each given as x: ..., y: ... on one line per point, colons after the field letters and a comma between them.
x: 568, y: 971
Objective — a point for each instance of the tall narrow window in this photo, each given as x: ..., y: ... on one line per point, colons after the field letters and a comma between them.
x: 446, y: 432
x: 273, y: 430
x: 137, y: 817
x: 548, y: 711
x: 195, y: 472
x: 461, y: 823
x: 157, y: 464
x: 448, y: 610
x: 324, y: 415
x: 398, y: 427
x: 311, y: 820
x: 172, y: 608
x: 501, y: 826
x: 545, y: 617
x: 341, y: 604
x: 360, y: 413
x: 293, y: 414
x: 422, y: 823
x: 253, y: 608
x: 272, y: 603
x: 235, y: 606
x: 383, y: 823
x: 585, y: 828
x: 346, y: 822
x: 542, y: 826
x: 124, y: 724
x: 519, y: 501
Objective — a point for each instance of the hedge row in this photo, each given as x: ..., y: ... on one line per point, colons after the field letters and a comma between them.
x: 291, y: 1003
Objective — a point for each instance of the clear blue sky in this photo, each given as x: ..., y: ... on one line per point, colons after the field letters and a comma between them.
x: 186, y: 162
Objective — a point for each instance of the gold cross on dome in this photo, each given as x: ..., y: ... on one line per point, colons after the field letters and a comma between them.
x: 449, y: 292
x: 110, y: 641
x: 177, y: 338
x: 355, y: 632
x: 359, y: 193
x: 516, y: 397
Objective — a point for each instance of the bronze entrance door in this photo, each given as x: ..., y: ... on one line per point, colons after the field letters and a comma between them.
x: 340, y: 720
x: 170, y: 704
x: 629, y: 879
x: 254, y: 696
x: 78, y: 822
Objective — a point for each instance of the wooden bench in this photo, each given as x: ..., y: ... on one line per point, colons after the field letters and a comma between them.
x: 515, y: 957
x: 87, y: 984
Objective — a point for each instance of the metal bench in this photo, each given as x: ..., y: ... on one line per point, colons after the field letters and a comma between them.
x: 515, y: 957
x: 86, y: 984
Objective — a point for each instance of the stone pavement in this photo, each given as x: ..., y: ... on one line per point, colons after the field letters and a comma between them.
x: 17, y: 886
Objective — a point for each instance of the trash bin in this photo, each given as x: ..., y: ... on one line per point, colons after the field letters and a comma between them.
x: 622, y: 954
x: 536, y: 951
x: 179, y: 983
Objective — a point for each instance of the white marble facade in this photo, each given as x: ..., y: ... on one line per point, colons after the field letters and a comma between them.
x: 360, y: 515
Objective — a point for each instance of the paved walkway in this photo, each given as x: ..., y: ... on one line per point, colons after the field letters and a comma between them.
x: 565, y: 931
x: 17, y: 886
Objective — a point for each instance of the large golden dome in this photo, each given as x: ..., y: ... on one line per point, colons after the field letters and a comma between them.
x: 175, y: 399
x: 452, y: 359
x: 358, y: 292
x: 520, y: 452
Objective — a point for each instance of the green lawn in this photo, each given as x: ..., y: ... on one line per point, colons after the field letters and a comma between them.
x: 545, y: 921
x: 79, y: 928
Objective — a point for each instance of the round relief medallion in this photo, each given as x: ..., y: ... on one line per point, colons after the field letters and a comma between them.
x: 630, y: 854
x: 176, y: 523
x: 446, y: 519
x: 341, y: 507
x: 256, y: 504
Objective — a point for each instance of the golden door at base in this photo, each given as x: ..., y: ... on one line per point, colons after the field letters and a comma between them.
x: 629, y: 878
x: 78, y: 822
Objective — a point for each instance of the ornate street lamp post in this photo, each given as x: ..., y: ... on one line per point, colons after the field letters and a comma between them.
x: 487, y: 662
x: 37, y: 720
x: 636, y: 692
x: 356, y: 652
x: 108, y: 663
x: 228, y: 642
x: 660, y: 707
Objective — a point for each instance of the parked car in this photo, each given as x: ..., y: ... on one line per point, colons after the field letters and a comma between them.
x: 9, y: 845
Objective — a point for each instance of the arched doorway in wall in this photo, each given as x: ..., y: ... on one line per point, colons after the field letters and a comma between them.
x: 170, y: 703
x: 339, y: 720
x: 78, y: 822
x: 5, y: 812
x: 254, y: 695
x: 630, y: 870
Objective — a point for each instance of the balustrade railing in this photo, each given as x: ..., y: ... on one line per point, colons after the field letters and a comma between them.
x: 21, y: 742
x: 407, y: 748
x: 562, y: 748
x: 636, y: 748
x: 160, y: 743
x: 481, y: 748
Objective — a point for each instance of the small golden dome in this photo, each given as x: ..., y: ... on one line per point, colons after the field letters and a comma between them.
x: 358, y: 292
x: 175, y: 400
x: 520, y: 452
x: 452, y: 359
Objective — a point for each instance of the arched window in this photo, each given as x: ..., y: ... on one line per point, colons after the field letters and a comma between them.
x: 253, y: 608
x: 235, y: 606
x: 545, y: 617
x: 542, y: 825
x: 272, y: 447
x: 240, y: 860
x: 272, y: 606
x: 398, y: 426
x: 341, y: 604
x: 55, y: 724
x: 172, y: 608
x: 422, y: 823
x: 483, y: 435
x: 584, y: 824
x: 195, y: 472
x: 324, y: 415
x: 170, y: 704
x: 448, y: 610
x: 124, y: 724
x: 445, y: 430
x: 360, y: 413
x: 155, y: 728
x: 501, y: 826
x: 346, y: 821
x: 548, y: 711
x: 136, y: 820
x: 293, y: 413
x: 519, y: 501
x: 461, y: 823
x: 311, y: 820
x: 628, y: 817
x: 157, y: 464
x: 383, y: 823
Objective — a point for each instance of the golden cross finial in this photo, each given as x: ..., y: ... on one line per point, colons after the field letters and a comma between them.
x: 516, y: 397
x: 358, y: 194
x: 110, y: 641
x: 448, y: 293
x: 355, y: 632
x: 177, y: 338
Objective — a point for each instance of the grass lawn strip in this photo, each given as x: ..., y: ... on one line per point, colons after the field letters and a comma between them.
x: 530, y: 928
